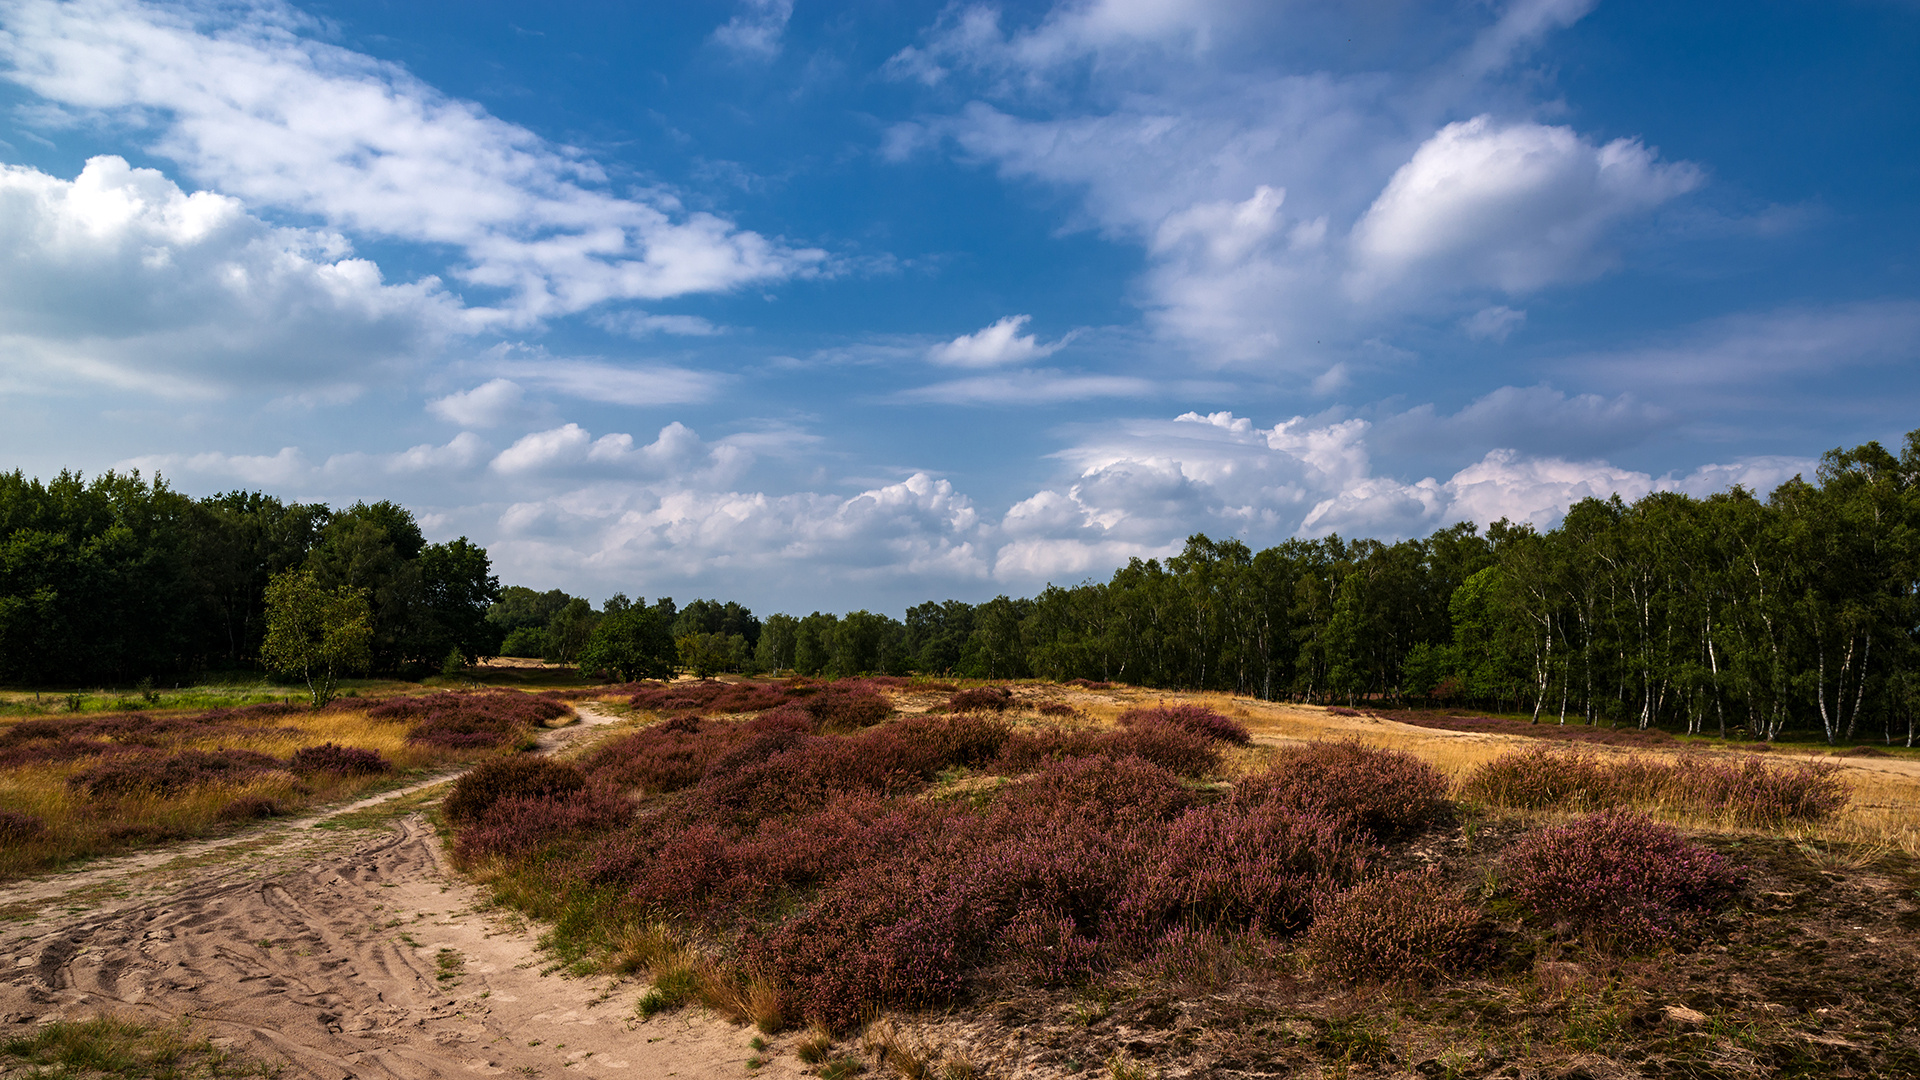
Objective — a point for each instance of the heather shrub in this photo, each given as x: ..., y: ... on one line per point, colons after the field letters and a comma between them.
x: 810, y: 771
x: 519, y: 824
x: 1409, y: 927
x: 18, y: 828
x: 981, y: 699
x: 1621, y: 880
x: 1763, y: 793
x: 661, y: 758
x: 1385, y: 792
x: 1056, y: 708
x: 892, y: 936
x: 710, y: 697
x: 344, y: 760
x: 168, y: 774
x: 847, y: 707
x: 1029, y: 748
x: 968, y: 739
x: 1535, y: 777
x: 509, y: 778
x: 1088, y: 684
x: 459, y: 721
x: 1254, y: 866
x: 1105, y: 793
x: 1195, y: 718
x: 1176, y: 749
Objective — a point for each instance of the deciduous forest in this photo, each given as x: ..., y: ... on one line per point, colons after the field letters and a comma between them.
x: 1731, y: 614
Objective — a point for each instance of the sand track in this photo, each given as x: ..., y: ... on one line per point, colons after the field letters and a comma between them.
x: 342, y: 953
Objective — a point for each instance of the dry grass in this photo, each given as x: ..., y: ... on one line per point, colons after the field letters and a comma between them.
x: 79, y: 826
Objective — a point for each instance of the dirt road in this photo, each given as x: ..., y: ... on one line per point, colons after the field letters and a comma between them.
x: 342, y: 952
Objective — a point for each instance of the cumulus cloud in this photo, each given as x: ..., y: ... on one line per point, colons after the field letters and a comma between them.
x: 1516, y: 207
x: 244, y: 97
x: 119, y: 277
x: 996, y: 345
x: 757, y: 29
x: 677, y: 452
x: 490, y: 404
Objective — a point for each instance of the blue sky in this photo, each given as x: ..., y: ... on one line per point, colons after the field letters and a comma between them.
x: 855, y: 306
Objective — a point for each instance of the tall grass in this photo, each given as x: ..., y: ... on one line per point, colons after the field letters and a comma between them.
x: 78, y: 785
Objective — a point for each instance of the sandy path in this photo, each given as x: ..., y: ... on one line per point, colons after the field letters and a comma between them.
x: 341, y: 952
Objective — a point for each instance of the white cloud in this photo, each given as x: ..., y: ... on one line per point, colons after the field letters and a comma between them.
x: 244, y: 98
x: 996, y: 345
x: 1494, y: 323
x: 599, y: 380
x: 119, y: 277
x: 1516, y: 207
x: 757, y: 29
x: 639, y: 324
x: 678, y: 453
x: 1536, y: 420
x: 490, y: 404
x: 1040, y: 387
x: 970, y: 37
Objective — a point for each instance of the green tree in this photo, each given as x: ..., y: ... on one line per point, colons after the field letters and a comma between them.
x: 630, y: 642
x: 315, y: 632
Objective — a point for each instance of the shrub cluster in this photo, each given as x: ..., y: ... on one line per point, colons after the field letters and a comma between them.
x: 1749, y: 790
x: 1195, y: 718
x: 509, y: 778
x: 1621, y: 879
x: 343, y: 760
x: 18, y: 828
x: 1408, y: 927
x: 471, y: 721
x: 981, y: 699
x: 1385, y: 792
x: 169, y: 774
x: 710, y: 697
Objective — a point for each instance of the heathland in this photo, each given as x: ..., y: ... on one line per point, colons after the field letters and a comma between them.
x: 939, y: 878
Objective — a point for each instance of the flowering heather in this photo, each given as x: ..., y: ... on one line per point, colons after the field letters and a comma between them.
x: 1260, y: 867
x: 1088, y: 684
x: 521, y: 824
x: 1621, y: 879
x: 981, y: 699
x: 168, y: 774
x: 1409, y: 927
x: 1386, y: 792
x: 344, y: 760
x: 1177, y: 749
x: 1029, y: 748
x: 848, y: 705
x: 711, y: 697
x: 508, y: 778
x: 457, y: 721
x: 1763, y: 793
x: 1056, y: 708
x: 1195, y: 718
x: 18, y: 828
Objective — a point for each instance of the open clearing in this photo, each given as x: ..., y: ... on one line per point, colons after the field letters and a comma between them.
x: 344, y: 945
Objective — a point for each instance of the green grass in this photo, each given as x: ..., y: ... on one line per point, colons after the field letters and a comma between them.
x: 108, y: 1046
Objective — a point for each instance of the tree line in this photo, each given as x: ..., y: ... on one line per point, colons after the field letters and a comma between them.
x: 116, y: 579
x: 1731, y: 613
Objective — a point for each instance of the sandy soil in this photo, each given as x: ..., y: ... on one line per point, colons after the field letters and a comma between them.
x: 342, y: 952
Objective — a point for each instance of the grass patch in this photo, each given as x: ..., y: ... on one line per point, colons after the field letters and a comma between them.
x: 108, y: 1047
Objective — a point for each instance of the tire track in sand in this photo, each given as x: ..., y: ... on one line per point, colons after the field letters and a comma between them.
x: 343, y: 953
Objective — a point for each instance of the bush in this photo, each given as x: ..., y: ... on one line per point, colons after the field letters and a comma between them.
x: 847, y: 707
x: 1029, y: 749
x: 169, y: 774
x: 509, y: 778
x: 1749, y: 790
x: 1056, y: 708
x: 520, y: 824
x: 1410, y: 927
x: 968, y: 739
x: 460, y: 721
x: 18, y: 828
x: 1176, y: 749
x: 345, y: 760
x: 1386, y: 792
x: 1258, y: 867
x: 1195, y: 718
x: 1620, y: 879
x: 981, y: 699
